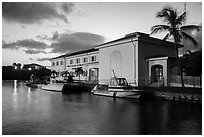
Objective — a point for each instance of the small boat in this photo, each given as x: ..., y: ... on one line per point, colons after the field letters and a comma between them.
x: 118, y: 87
x: 35, y: 82
x: 53, y: 87
x: 32, y: 85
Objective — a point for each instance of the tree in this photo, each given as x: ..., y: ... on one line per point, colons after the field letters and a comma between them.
x: 18, y: 66
x: 175, y: 30
x: 192, y: 63
x: 79, y: 71
x: 14, y: 65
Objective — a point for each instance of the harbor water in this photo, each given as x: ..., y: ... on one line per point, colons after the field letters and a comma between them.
x: 32, y: 111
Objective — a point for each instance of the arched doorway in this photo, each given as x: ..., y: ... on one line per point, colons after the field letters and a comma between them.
x: 116, y: 64
x: 156, y: 73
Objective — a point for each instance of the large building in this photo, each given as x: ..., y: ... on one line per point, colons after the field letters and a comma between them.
x: 87, y: 60
x: 141, y: 59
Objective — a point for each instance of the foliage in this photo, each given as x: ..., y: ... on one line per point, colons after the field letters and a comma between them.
x: 79, y: 71
x: 175, y: 29
x: 10, y: 73
x: 192, y: 63
x: 174, y: 25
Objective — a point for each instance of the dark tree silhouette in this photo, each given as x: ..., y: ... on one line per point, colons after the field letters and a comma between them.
x: 192, y: 63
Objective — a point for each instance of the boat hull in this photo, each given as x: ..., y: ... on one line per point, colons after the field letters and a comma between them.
x: 118, y: 94
x: 57, y: 87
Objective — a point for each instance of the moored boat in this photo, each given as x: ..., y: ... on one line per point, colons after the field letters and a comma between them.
x: 118, y: 87
x: 53, y: 87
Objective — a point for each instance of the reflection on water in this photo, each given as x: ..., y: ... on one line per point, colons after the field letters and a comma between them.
x: 35, y: 111
x: 15, y: 87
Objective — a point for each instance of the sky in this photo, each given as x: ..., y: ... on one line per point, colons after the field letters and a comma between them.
x: 34, y: 32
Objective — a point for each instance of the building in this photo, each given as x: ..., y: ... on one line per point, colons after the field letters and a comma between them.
x: 32, y: 66
x: 141, y: 59
x: 87, y: 60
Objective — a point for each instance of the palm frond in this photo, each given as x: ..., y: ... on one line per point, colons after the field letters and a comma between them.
x: 181, y: 19
x: 190, y: 28
x: 159, y: 28
x: 164, y: 14
x: 188, y: 37
x: 168, y: 15
x: 164, y: 39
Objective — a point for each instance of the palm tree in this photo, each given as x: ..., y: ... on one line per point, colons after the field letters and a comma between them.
x: 175, y: 29
x: 14, y: 65
x: 79, y: 71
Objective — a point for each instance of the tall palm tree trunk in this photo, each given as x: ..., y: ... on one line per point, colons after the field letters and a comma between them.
x: 179, y: 66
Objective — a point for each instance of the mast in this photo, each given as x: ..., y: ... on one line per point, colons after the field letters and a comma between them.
x: 184, y: 42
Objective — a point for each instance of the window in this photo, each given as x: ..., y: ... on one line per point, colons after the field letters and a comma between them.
x: 57, y: 63
x: 53, y: 63
x: 85, y: 59
x: 61, y: 63
x: 71, y: 61
x: 78, y: 60
x: 93, y: 58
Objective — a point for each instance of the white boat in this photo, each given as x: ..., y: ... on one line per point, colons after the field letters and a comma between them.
x: 53, y: 87
x: 118, y: 87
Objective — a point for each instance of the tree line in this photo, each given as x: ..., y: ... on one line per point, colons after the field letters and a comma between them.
x: 13, y: 73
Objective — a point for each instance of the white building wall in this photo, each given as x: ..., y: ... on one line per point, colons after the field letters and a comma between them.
x: 59, y: 67
x: 85, y: 65
x: 127, y: 53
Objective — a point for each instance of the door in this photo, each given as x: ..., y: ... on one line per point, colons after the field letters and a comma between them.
x: 156, y: 73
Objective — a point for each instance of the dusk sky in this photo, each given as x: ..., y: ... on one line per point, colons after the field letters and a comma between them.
x: 34, y: 32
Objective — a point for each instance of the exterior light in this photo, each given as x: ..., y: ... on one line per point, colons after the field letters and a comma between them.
x: 29, y: 69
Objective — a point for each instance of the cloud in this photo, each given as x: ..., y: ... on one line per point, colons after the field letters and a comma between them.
x: 54, y: 37
x: 62, y: 43
x: 76, y: 41
x: 32, y: 46
x: 35, y: 12
x: 42, y: 37
x: 31, y: 51
x: 40, y: 59
x: 43, y: 59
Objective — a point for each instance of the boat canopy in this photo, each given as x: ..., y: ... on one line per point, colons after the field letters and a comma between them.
x: 118, y: 82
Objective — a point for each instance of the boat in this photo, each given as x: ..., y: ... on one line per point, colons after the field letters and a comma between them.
x: 118, y: 87
x: 53, y: 87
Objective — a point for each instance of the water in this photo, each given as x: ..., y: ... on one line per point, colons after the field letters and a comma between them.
x: 37, y: 112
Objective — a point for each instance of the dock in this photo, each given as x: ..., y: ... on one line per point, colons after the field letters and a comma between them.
x: 186, y: 94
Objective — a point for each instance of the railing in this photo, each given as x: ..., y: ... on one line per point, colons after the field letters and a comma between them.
x: 189, y: 81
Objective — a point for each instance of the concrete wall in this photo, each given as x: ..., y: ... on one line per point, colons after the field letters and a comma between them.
x: 105, y: 72
x: 148, y: 50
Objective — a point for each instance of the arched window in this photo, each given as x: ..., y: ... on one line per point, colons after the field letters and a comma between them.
x: 116, y: 64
